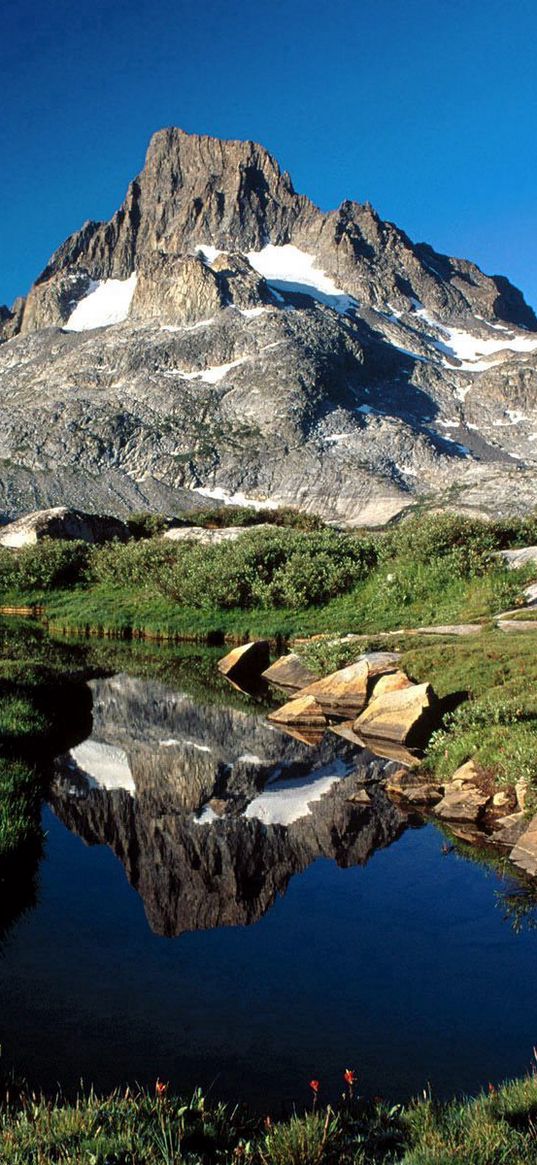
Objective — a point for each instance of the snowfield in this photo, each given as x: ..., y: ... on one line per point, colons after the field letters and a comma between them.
x: 107, y: 302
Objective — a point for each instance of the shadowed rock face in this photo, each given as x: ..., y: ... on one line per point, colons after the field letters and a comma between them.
x: 380, y: 372
x: 212, y: 811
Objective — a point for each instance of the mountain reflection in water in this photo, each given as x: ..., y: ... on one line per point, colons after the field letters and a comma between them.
x: 213, y: 810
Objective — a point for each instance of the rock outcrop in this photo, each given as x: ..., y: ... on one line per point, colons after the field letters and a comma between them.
x: 303, y: 710
x: 63, y: 524
x: 405, y: 715
x: 222, y: 333
x: 345, y: 692
x: 289, y: 672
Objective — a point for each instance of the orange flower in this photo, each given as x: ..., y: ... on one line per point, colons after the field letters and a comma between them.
x: 349, y: 1076
x: 160, y: 1088
x: 314, y: 1085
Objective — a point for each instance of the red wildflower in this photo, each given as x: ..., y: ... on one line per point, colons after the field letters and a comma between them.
x: 161, y: 1088
x: 349, y: 1076
x: 314, y: 1085
x: 492, y: 1089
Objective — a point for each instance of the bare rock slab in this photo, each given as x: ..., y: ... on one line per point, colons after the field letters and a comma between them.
x: 404, y: 716
x: 509, y: 829
x: 392, y: 682
x: 246, y: 663
x: 304, y: 710
x: 524, y: 853
x: 290, y: 672
x: 64, y: 524
x: 208, y: 537
x: 345, y: 692
x: 464, y: 804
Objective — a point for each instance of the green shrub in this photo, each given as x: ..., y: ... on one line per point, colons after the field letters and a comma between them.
x: 437, y: 535
x: 268, y: 568
x: 47, y: 565
x: 133, y: 563
x: 499, y: 732
x: 146, y: 525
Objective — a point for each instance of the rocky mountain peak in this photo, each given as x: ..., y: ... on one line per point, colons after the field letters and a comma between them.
x: 221, y: 333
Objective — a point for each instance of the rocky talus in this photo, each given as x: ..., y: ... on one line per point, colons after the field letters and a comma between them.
x: 221, y: 334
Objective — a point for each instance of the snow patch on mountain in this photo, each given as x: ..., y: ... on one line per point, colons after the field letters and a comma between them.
x: 291, y: 270
x: 215, y: 374
x: 236, y: 499
x: 470, y: 349
x: 107, y: 302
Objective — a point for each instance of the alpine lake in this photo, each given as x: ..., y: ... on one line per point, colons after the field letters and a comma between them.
x: 218, y: 904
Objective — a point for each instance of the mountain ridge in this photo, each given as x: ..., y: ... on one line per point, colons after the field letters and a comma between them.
x: 136, y: 372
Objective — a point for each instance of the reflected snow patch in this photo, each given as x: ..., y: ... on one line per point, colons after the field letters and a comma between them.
x: 287, y: 801
x: 104, y: 766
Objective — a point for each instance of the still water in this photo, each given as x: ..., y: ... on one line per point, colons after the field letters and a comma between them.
x: 220, y: 905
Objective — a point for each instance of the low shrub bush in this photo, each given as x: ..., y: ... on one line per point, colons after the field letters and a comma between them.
x: 45, y: 566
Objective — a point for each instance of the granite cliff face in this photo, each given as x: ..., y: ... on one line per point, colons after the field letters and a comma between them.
x: 211, y: 810
x: 222, y: 334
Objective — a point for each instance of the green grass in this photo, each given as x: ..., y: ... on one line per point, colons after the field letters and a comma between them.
x: 394, y: 595
x: 19, y: 808
x: 281, y: 582
x: 496, y: 1128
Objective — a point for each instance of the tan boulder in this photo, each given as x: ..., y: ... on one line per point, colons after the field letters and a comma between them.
x: 466, y: 774
x: 502, y: 800
x: 464, y: 804
x: 304, y: 710
x: 310, y: 736
x: 345, y: 692
x: 392, y: 682
x: 521, y: 791
x: 290, y: 671
x: 246, y: 663
x: 405, y: 716
x: 509, y: 829
x: 423, y: 795
x: 524, y: 853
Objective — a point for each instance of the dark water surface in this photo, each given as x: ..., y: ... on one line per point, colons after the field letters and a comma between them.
x: 254, y: 953
x: 403, y: 968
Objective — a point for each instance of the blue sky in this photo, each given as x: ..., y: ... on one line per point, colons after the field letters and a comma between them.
x: 426, y: 108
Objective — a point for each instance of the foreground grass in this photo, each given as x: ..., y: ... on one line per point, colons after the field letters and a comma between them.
x: 497, y: 1128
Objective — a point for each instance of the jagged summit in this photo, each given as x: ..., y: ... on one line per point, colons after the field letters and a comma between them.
x: 221, y: 333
